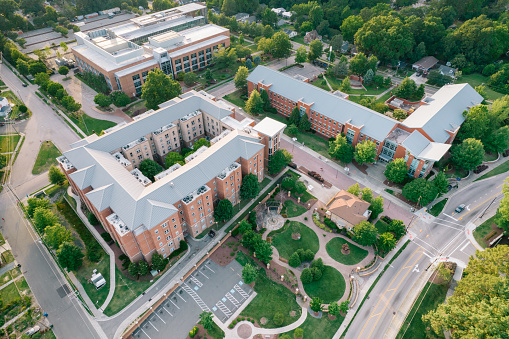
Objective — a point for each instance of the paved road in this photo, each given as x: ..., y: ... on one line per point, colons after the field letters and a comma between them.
x: 42, y: 274
x: 444, y: 237
x: 44, y: 124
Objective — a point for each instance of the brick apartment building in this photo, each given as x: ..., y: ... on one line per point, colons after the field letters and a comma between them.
x: 145, y: 217
x: 421, y: 139
x: 174, y: 40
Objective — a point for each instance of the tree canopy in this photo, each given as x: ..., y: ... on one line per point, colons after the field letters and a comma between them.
x: 365, y: 233
x: 150, y: 168
x: 483, y: 288
x: 340, y: 149
x: 250, y: 187
x: 223, y: 211
x: 365, y: 152
x: 158, y: 88
x: 396, y: 171
x: 469, y: 154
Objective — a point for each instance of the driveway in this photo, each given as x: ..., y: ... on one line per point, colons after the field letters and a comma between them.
x: 85, y: 95
x: 308, y: 70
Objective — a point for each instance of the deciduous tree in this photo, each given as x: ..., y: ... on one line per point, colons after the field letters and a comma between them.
x: 315, y: 50
x: 386, y: 242
x: 278, y: 161
x: 102, y: 100
x: 56, y: 234
x: 282, y: 45
x: 354, y: 189
x: 341, y: 149
x: 301, y: 55
x: 420, y: 191
x: 206, y: 318
x: 223, y: 211
x: 469, y: 154
x: 365, y: 233
x: 249, y: 274
x: 396, y: 171
x: 70, y: 256
x: 350, y: 26
x: 150, y: 168
x: 56, y: 176
x: 250, y: 187
x: 159, y: 88
x: 254, y: 104
x: 365, y: 152
x: 240, y: 79
x: 173, y: 158
x: 376, y: 207
x: 304, y: 124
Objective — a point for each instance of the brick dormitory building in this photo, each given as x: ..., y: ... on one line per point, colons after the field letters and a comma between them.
x: 145, y: 217
x: 421, y: 139
x: 174, y: 40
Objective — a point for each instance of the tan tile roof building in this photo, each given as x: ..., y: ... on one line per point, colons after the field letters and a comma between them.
x: 347, y: 209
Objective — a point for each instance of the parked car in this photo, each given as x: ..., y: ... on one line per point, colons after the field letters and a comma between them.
x: 460, y: 208
x: 33, y: 330
x: 212, y: 234
x: 25, y: 85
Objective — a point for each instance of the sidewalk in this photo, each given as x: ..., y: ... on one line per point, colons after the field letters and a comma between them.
x: 129, y: 315
x: 104, y: 245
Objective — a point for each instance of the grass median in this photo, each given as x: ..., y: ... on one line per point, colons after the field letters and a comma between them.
x: 46, y: 157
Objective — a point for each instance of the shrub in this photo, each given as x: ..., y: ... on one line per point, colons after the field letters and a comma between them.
x: 279, y: 318
x: 306, y: 276
x: 92, y: 219
x: 230, y: 326
x: 107, y: 237
x: 120, y: 99
x: 193, y: 332
x: 298, y: 333
x: 317, y: 273
x: 294, y: 260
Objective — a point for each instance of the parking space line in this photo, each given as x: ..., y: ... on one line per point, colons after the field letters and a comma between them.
x: 209, y: 269
x: 181, y: 297
x: 175, y: 304
x: 224, y: 309
x: 196, y: 297
x: 196, y: 281
x: 159, y: 317
x: 167, y: 311
x: 241, y: 291
x: 153, y: 326
x: 204, y: 275
x: 233, y: 300
x: 145, y: 332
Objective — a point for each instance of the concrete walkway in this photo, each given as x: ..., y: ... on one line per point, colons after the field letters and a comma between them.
x: 104, y: 245
x: 323, y: 238
x: 6, y: 268
x: 130, y: 314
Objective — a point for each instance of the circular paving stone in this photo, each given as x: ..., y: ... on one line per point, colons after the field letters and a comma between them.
x: 244, y: 331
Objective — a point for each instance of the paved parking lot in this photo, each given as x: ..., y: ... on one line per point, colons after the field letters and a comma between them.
x: 309, y: 71
x: 210, y: 288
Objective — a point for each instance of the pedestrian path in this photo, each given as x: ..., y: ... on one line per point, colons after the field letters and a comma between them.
x: 103, y: 244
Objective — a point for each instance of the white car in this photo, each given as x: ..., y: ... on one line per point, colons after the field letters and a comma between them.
x: 33, y: 330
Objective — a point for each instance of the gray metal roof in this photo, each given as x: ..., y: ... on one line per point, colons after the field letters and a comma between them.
x: 444, y: 111
x: 169, y: 112
x: 113, y: 186
x: 420, y: 147
x: 376, y: 125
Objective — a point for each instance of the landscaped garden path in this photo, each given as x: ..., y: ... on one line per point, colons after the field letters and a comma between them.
x: 329, y: 249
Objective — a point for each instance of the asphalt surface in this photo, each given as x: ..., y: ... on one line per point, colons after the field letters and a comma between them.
x: 441, y: 238
x: 42, y: 274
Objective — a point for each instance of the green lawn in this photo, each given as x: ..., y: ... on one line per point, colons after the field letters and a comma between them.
x: 9, y: 293
x: 286, y: 245
x: 483, y: 230
x: 126, y: 290
x: 322, y: 328
x: 356, y: 255
x: 438, y: 207
x: 135, y: 107
x: 48, y: 335
x: 490, y: 156
x: 271, y: 298
x: 7, y: 256
x: 496, y: 171
x: 15, y: 113
x: 299, y: 39
x: 334, y: 82
x: 429, y: 299
x: 314, y: 142
x: 476, y: 79
x: 384, y: 97
x: 329, y: 288
x: 22, y: 285
x: 9, y: 275
x: 98, y: 296
x: 46, y: 157
x: 321, y: 83
x: 381, y: 226
x: 370, y: 90
x: 293, y: 210
x: 90, y: 125
x: 235, y: 98
x: 8, y: 142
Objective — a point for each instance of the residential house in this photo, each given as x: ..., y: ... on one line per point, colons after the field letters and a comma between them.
x: 448, y: 71
x: 347, y: 210
x: 312, y: 35
x: 290, y: 33
x: 425, y: 64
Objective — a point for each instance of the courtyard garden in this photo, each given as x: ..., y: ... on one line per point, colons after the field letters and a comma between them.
x: 351, y: 256
x: 329, y: 288
x: 291, y: 209
x: 293, y: 236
